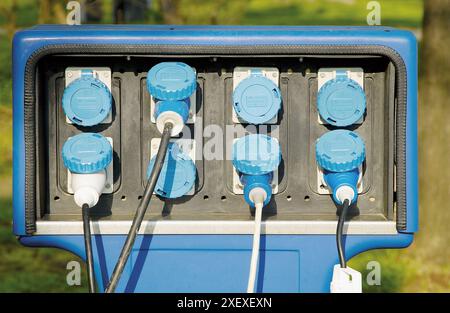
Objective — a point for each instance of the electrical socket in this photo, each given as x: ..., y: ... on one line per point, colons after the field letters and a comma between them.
x: 101, y: 73
x: 242, y: 72
x: 187, y: 146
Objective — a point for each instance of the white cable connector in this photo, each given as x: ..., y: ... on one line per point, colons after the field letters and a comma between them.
x: 345, y: 193
x: 170, y: 117
x: 345, y: 280
x: 87, y: 188
x: 258, y: 196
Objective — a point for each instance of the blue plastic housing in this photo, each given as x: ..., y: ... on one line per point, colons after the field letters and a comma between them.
x: 340, y: 154
x: 334, y: 180
x: 256, y: 154
x: 256, y: 99
x: 340, y: 150
x: 171, y: 81
x: 257, y: 181
x: 87, y: 100
x: 215, y: 263
x: 180, y: 107
x: 177, y: 175
x: 341, y: 101
x: 255, y: 157
x: 87, y: 153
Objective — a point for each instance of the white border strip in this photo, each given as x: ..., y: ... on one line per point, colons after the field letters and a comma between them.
x: 216, y: 227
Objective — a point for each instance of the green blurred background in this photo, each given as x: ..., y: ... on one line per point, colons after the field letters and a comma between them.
x: 424, y: 267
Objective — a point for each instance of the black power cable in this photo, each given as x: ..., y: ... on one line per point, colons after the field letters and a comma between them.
x: 141, y: 209
x: 339, y: 233
x: 88, y: 247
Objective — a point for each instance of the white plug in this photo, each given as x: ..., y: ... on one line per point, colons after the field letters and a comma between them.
x: 257, y: 195
x: 170, y: 117
x: 345, y: 193
x: 345, y: 280
x: 87, y: 188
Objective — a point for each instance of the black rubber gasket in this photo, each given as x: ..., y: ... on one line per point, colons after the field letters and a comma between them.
x: 379, y: 50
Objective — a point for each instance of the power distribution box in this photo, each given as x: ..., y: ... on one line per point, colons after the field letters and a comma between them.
x: 201, y: 242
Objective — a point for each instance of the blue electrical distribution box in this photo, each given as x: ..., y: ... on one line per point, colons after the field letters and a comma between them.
x: 201, y: 242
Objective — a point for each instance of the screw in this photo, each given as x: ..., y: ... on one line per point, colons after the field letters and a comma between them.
x: 322, y: 75
x: 69, y: 74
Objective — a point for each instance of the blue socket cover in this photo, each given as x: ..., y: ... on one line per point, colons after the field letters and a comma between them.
x: 256, y: 154
x: 171, y: 81
x: 177, y: 175
x: 180, y: 107
x: 87, y: 100
x: 340, y: 151
x: 256, y: 100
x: 341, y: 101
x: 86, y: 153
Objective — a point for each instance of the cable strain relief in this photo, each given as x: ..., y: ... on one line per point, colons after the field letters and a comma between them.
x: 86, y: 196
x: 258, y: 195
x: 170, y: 117
x: 345, y: 192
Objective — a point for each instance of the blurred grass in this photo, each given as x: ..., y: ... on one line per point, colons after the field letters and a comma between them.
x: 5, y: 141
x: 5, y: 74
x: 27, y: 12
x: 290, y: 12
x: 25, y: 269
x: 395, y: 269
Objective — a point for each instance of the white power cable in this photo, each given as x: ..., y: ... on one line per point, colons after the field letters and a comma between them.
x: 258, y: 196
x: 255, y: 248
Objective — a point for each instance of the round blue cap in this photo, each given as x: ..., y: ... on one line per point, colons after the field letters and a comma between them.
x: 256, y: 100
x: 177, y: 175
x: 256, y: 154
x: 180, y: 107
x: 340, y: 151
x: 86, y: 153
x: 341, y: 101
x: 87, y: 101
x: 171, y: 81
